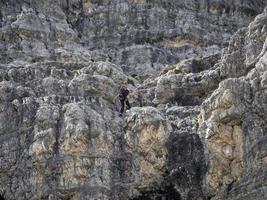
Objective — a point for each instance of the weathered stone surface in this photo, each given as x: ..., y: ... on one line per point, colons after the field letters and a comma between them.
x: 186, y: 163
x: 146, y: 135
x: 233, y: 119
x: 187, y: 90
x: 56, y: 119
x: 197, y: 126
x: 141, y: 36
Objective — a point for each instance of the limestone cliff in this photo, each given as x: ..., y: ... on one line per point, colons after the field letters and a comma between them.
x: 197, y: 126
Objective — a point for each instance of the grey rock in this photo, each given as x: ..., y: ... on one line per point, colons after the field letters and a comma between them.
x: 57, y: 119
x: 234, y: 118
x: 197, y: 126
x: 137, y: 35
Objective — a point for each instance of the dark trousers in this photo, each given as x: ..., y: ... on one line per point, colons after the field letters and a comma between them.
x: 123, y: 101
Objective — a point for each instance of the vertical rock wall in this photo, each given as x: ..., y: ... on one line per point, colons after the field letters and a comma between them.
x: 197, y: 129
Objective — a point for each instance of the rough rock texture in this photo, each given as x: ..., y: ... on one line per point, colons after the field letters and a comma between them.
x: 57, y: 131
x: 197, y: 126
x: 233, y: 118
x: 146, y: 135
x: 141, y: 36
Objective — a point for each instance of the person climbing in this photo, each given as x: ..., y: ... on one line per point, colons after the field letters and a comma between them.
x: 124, y: 92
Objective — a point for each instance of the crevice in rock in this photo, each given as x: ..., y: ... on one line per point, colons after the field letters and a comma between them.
x: 120, y: 167
x: 1, y: 19
x: 167, y: 193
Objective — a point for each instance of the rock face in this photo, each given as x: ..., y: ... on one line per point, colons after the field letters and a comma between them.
x: 197, y: 126
x: 57, y: 119
x: 233, y: 118
x: 146, y: 135
x: 140, y: 36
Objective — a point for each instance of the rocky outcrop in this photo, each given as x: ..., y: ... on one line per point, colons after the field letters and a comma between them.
x: 196, y: 129
x: 146, y: 134
x: 233, y: 118
x: 186, y: 162
x: 57, y: 120
x: 137, y: 35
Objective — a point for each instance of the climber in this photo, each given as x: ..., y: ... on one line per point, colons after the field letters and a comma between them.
x: 124, y: 91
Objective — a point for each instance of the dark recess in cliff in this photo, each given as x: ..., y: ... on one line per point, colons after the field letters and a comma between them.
x: 167, y: 193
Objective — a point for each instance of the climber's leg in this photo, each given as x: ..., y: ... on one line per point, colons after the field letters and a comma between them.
x: 128, y: 106
x: 122, y: 106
